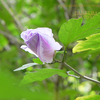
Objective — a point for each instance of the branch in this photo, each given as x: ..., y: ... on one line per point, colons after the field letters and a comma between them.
x: 17, y: 21
x: 65, y: 9
x: 81, y: 76
x: 72, y: 7
x: 72, y: 75
x: 11, y: 38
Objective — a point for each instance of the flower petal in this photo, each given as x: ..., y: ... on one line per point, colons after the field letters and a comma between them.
x: 26, y: 35
x: 24, y: 47
x: 46, y: 31
x: 50, y: 40
x: 44, y: 51
x: 32, y: 43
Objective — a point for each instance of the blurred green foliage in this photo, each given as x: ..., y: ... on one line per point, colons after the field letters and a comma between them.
x: 90, y: 97
x: 19, y: 15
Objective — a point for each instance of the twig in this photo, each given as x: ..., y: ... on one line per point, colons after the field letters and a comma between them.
x: 11, y: 38
x: 85, y: 77
x: 65, y: 9
x: 72, y: 75
x: 55, y: 61
x: 17, y: 21
x: 72, y: 7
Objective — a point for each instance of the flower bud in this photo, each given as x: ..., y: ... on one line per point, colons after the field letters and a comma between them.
x: 41, y: 43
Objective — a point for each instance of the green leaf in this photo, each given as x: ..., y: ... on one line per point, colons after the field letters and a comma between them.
x: 72, y: 30
x: 90, y: 97
x: 25, y: 66
x: 60, y: 52
x: 41, y: 74
x: 92, y: 42
x: 69, y: 30
x: 37, y: 60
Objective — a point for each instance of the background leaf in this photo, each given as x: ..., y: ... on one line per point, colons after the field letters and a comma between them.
x: 90, y: 97
x: 41, y: 74
x: 9, y: 90
x: 3, y: 42
x: 92, y: 42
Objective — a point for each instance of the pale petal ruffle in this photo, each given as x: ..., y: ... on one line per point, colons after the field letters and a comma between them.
x: 24, y: 47
x: 44, y: 51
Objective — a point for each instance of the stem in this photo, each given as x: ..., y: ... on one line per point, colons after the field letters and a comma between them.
x: 81, y: 76
x: 72, y: 75
x: 58, y: 78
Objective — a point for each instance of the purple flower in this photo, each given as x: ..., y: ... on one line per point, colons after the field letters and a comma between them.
x: 41, y: 43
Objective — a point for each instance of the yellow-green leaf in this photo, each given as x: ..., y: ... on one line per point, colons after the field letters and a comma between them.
x: 92, y: 43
